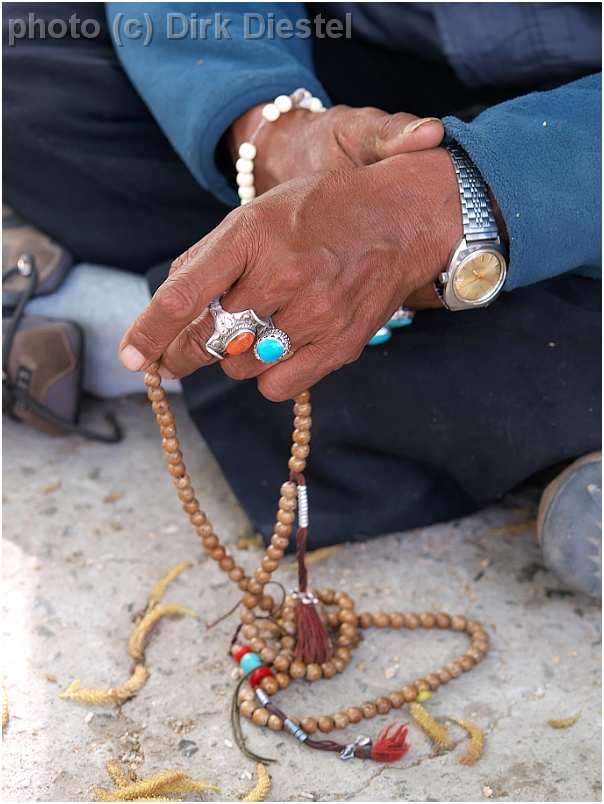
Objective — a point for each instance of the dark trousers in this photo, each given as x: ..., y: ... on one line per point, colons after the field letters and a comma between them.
x: 449, y: 415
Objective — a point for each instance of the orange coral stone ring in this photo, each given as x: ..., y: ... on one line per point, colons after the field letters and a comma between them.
x: 241, y: 343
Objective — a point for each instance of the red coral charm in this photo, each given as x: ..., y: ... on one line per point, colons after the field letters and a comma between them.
x: 391, y: 745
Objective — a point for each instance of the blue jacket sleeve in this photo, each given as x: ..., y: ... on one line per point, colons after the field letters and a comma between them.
x: 541, y: 156
x: 196, y: 85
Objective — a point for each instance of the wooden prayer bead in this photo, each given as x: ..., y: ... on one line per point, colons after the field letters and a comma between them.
x: 325, y: 724
x: 227, y: 564
x: 443, y: 675
x: 254, y: 587
x: 267, y: 603
x: 177, y: 470
x: 313, y: 672
x: 303, y: 398
x: 309, y: 724
x: 458, y: 623
x: 169, y: 431
x: 300, y: 450
x: 297, y: 669
x: 289, y: 489
x: 383, y: 705
x: 365, y: 620
x: 218, y: 553
x: 433, y: 681
x: 348, y: 629
x: 270, y: 685
x: 455, y: 669
x: 302, y: 409
x: 282, y: 680
x: 262, y: 576
x: 296, y: 464
x: 249, y: 600
x: 288, y: 642
x: 302, y: 422
x: 328, y: 669
x: 427, y: 620
x: 343, y: 653
x: 466, y: 662
x: 381, y: 620
x: 354, y: 714
x: 442, y: 620
x: 174, y: 457
x: 246, y: 694
x: 152, y: 379
x: 287, y: 503
x: 257, y: 644
x: 283, y: 530
x: 274, y: 553
x: 339, y: 664
x: 410, y: 693
x: 275, y: 723
x: 260, y: 716
x: 247, y: 708
x: 475, y: 654
x: 282, y: 662
x: 301, y: 436
x: 369, y: 710
x: 268, y: 655
x: 397, y: 620
x: 210, y: 542
x: 411, y: 621
x: 247, y: 617
x: 397, y: 699
x: 422, y: 685
x: 249, y: 631
x: 269, y: 565
x: 340, y: 720
x: 348, y: 616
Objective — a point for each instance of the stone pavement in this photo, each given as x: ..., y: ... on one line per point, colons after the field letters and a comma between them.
x: 89, y: 528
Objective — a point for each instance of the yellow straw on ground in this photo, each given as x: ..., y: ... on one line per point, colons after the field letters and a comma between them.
x: 261, y: 789
x: 476, y: 746
x: 435, y: 730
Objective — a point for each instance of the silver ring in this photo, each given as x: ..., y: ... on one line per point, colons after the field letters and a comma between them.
x: 272, y: 344
x: 228, y: 326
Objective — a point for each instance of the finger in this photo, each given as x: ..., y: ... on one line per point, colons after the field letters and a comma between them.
x: 187, y: 351
x: 203, y: 272
x: 307, y: 366
x: 371, y: 135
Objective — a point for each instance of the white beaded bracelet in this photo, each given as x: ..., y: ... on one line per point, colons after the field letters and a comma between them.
x: 300, y: 99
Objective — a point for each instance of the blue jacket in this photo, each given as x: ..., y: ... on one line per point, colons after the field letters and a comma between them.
x: 539, y: 153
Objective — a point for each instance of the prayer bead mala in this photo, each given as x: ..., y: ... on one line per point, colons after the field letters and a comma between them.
x: 295, y: 639
x: 272, y: 631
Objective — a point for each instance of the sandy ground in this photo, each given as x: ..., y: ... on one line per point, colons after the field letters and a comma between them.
x: 89, y: 528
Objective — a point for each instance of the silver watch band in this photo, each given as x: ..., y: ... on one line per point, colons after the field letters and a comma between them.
x: 476, y: 210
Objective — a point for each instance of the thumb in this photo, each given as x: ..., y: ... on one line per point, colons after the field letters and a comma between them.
x: 381, y: 135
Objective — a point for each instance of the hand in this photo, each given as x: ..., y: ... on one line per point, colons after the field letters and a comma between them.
x: 329, y: 256
x: 302, y: 142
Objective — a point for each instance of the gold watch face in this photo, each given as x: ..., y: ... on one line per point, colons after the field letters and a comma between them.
x: 478, y: 276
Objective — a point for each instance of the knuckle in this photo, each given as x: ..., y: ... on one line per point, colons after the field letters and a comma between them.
x: 174, y: 299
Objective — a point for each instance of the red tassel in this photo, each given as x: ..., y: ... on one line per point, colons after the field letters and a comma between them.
x: 312, y: 641
x: 390, y: 746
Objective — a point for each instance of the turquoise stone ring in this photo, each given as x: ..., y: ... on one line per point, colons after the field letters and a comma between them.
x: 271, y: 345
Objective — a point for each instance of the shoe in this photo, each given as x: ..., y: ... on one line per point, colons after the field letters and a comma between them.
x: 42, y: 366
x: 52, y: 260
x: 569, y: 525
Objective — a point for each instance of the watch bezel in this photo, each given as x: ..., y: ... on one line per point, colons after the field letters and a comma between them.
x: 459, y: 256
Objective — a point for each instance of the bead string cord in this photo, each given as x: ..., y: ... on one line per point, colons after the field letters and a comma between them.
x: 299, y: 638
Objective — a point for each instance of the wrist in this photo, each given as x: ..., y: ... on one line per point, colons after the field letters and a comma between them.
x: 427, y: 213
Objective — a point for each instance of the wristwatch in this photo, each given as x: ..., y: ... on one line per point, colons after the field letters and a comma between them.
x: 477, y: 265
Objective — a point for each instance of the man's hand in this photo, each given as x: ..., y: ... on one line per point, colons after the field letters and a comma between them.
x: 301, y: 142
x: 329, y: 256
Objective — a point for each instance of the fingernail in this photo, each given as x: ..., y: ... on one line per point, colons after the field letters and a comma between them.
x: 165, y: 374
x: 411, y: 127
x: 131, y: 358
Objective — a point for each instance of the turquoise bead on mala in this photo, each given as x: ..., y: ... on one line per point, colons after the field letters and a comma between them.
x: 249, y: 662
